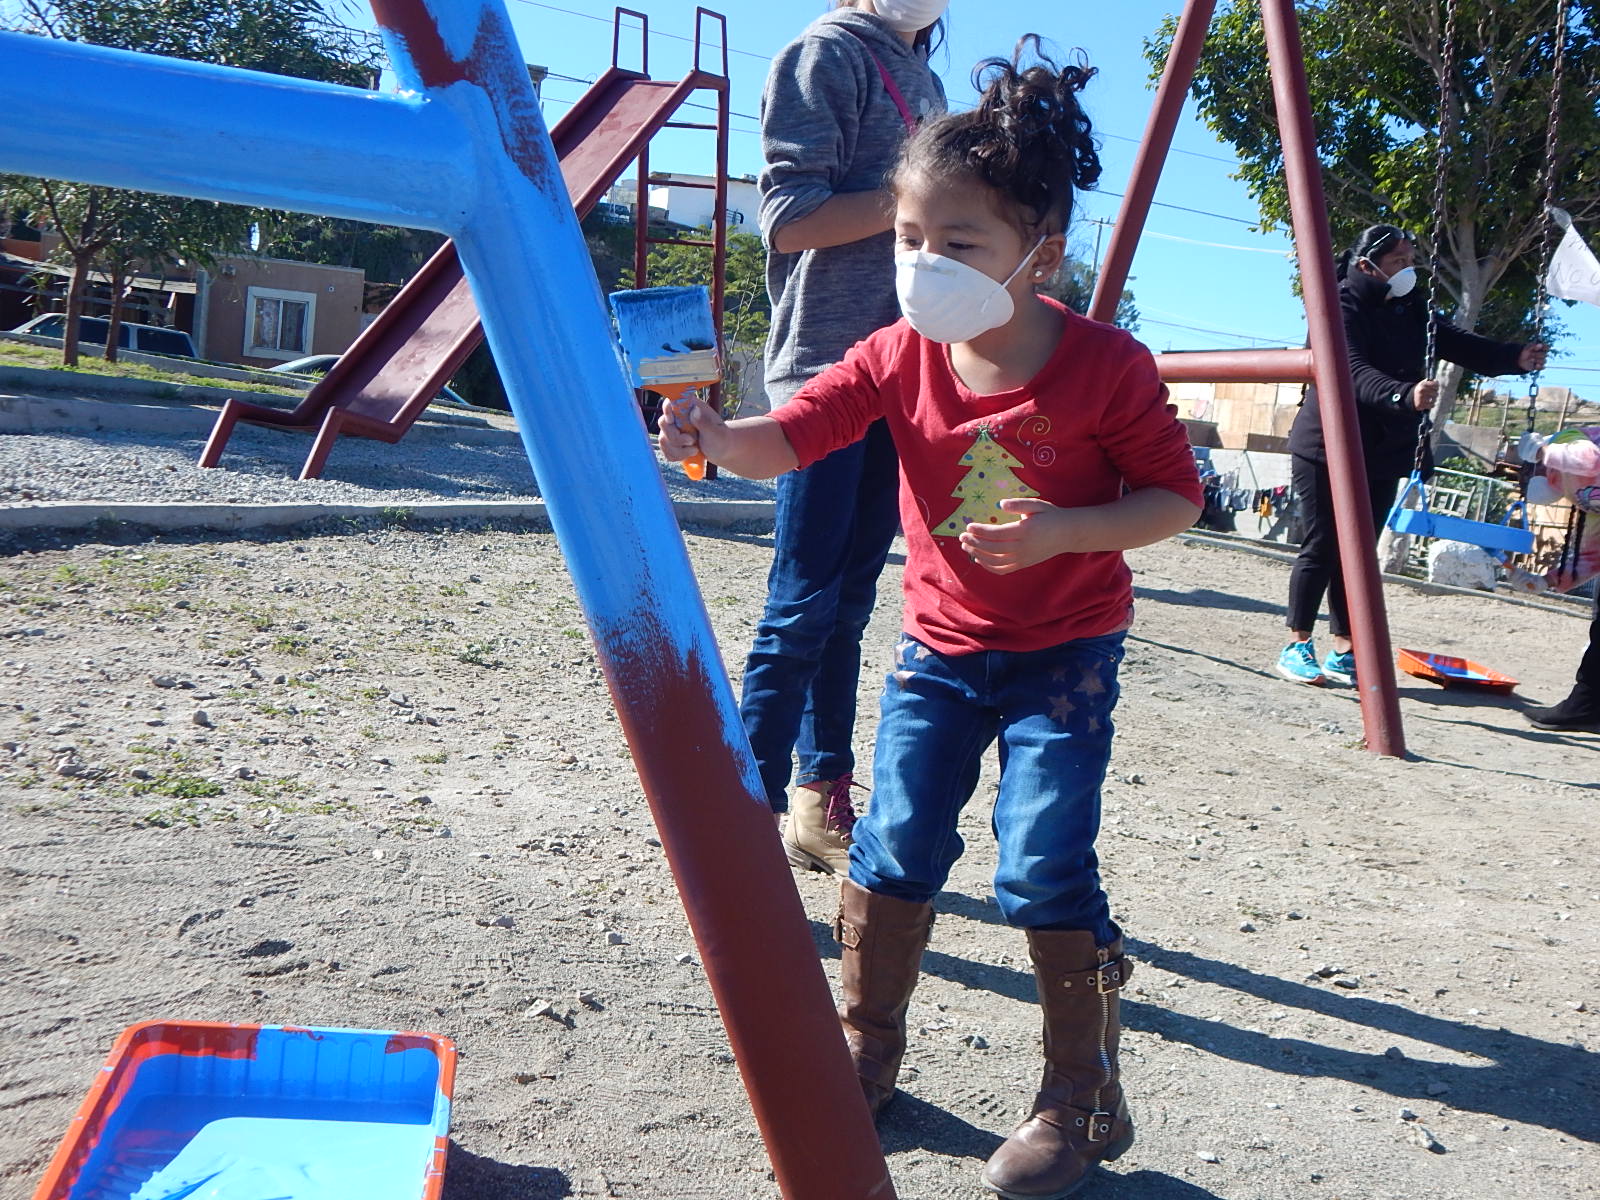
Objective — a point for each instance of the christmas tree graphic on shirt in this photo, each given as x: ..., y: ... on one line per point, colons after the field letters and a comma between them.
x: 990, y: 478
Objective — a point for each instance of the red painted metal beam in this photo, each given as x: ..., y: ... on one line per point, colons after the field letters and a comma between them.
x: 1369, y: 624
x: 1236, y: 366
x: 1175, y: 79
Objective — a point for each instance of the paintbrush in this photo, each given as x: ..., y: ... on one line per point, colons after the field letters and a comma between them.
x: 669, y: 342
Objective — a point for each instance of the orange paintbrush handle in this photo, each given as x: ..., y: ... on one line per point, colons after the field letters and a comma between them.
x: 695, y: 465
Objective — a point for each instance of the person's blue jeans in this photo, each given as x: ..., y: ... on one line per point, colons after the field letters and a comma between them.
x: 835, y: 521
x: 1050, y: 711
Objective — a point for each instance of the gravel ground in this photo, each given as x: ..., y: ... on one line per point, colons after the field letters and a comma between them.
x: 458, y: 458
x: 369, y: 775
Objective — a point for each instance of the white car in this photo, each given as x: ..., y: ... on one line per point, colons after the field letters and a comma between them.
x: 320, y: 364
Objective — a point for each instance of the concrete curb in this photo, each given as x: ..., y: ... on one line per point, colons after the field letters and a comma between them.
x: 242, y: 517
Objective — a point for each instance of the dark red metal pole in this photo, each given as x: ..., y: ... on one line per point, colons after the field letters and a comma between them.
x: 1175, y: 80
x: 1369, y: 624
x: 1236, y: 366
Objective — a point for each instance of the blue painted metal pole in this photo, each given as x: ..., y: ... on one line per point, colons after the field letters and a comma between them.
x: 218, y: 133
x: 467, y: 153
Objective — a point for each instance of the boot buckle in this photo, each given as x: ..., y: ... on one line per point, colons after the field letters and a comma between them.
x: 1109, y: 977
x: 1100, y: 1125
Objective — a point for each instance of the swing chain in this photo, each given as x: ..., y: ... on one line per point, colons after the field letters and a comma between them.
x: 1447, y: 72
x: 1547, y: 221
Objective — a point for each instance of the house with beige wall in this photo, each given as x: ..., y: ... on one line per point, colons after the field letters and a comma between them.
x: 266, y: 311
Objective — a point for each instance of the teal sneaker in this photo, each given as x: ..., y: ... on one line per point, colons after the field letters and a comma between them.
x: 1298, y: 663
x: 1340, y: 667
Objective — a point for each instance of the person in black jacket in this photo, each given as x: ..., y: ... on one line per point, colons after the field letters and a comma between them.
x: 1386, y: 326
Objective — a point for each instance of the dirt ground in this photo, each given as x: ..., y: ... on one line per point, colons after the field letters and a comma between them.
x: 371, y: 777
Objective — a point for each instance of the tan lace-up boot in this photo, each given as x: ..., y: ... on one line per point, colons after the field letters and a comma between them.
x: 1079, y: 1116
x: 881, y: 940
x: 817, y: 835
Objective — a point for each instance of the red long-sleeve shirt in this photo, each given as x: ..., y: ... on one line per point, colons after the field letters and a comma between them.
x: 1092, y: 419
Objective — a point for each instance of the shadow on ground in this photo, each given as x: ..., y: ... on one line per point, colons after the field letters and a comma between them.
x: 470, y: 1176
x: 1208, y: 598
x: 1515, y: 1077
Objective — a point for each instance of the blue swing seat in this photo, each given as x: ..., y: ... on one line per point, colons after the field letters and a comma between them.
x: 1503, y: 538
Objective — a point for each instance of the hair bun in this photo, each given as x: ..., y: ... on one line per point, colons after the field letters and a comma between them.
x: 1028, y: 137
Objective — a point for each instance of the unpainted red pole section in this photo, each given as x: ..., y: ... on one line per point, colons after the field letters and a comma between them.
x: 1236, y: 366
x: 1175, y: 80
x: 1369, y: 623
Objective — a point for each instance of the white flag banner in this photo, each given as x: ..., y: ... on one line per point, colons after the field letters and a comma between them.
x: 1574, y: 270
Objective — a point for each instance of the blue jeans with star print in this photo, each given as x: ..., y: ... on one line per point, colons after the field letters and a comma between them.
x: 1050, y: 713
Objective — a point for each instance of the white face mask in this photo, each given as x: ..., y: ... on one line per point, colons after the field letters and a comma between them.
x: 1402, y: 281
x: 948, y: 301
x: 910, y: 16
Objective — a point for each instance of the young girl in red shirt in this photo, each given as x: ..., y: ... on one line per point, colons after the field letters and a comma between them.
x: 1035, y: 447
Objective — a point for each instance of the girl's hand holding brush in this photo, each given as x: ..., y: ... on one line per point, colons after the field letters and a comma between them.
x: 689, y: 428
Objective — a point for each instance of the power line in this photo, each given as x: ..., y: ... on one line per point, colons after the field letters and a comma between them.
x: 676, y: 37
x: 767, y: 58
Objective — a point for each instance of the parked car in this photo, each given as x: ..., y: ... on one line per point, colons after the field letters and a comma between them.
x: 320, y: 364
x: 146, y: 339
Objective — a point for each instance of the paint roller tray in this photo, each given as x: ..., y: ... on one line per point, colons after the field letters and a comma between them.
x: 208, y: 1111
x: 1448, y: 671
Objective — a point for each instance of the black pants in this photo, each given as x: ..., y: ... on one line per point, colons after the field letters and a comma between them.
x: 1317, y: 572
x: 1587, y: 689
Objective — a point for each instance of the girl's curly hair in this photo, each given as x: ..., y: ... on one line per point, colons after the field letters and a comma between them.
x: 1028, y: 138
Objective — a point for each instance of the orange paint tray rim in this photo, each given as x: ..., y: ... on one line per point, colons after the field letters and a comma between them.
x: 1447, y: 670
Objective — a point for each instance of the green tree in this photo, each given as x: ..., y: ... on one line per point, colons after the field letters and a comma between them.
x: 1073, y: 285
x: 1374, y: 71
x: 124, y: 229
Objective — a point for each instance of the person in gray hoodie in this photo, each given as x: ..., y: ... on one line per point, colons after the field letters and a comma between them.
x: 839, y: 102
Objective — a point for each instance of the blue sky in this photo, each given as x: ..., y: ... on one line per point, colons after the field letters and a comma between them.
x: 1221, y: 285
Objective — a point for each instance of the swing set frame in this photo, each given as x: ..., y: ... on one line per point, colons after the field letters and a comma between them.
x: 1324, y: 363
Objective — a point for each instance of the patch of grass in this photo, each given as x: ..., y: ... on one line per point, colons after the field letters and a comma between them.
x: 439, y: 756
x: 146, y: 608
x: 328, y: 808
x: 395, y: 516
x: 289, y: 644
x: 27, y: 781
x: 373, y: 693
x: 48, y: 358
x: 479, y: 654
x: 275, y: 788
x: 268, y: 709
x: 452, y: 589
x: 69, y: 574
x: 575, y: 634
x: 185, y: 812
x: 158, y: 583
x: 178, y: 786
x: 369, y: 731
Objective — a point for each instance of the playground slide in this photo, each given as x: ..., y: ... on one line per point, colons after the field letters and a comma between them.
x: 421, y: 339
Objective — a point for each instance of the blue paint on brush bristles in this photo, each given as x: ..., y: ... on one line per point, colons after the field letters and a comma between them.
x: 658, y: 323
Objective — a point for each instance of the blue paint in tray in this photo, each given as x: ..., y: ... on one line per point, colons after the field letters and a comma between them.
x: 219, y: 1112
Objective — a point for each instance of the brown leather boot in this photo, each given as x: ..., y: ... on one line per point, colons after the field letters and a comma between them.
x: 1079, y: 1116
x: 880, y: 952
